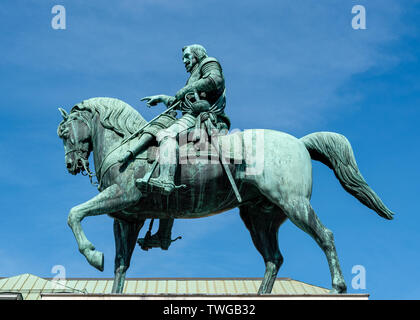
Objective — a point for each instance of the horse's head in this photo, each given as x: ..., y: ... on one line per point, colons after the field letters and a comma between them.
x: 76, y: 134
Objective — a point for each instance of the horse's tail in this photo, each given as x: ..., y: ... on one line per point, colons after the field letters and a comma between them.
x: 334, y: 150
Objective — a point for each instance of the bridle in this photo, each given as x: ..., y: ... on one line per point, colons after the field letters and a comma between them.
x: 79, y: 152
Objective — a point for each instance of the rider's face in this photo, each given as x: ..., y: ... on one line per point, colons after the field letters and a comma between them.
x: 189, y: 59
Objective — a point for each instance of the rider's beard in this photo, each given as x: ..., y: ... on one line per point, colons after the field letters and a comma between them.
x: 190, y: 66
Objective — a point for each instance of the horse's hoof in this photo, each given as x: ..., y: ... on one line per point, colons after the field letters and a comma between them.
x: 96, y: 259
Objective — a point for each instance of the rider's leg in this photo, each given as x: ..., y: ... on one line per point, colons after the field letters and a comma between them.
x: 168, y: 155
x: 149, y: 132
x: 167, y: 161
x: 168, y: 158
x: 140, y: 145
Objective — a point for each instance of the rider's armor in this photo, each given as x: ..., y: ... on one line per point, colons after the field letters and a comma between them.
x: 207, y: 80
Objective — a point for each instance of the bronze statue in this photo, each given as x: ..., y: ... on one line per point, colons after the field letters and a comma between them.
x: 266, y: 173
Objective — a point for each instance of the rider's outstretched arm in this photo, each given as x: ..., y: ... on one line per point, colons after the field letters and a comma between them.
x: 160, y: 98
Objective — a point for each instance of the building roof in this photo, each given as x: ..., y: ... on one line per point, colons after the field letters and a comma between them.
x: 31, y: 287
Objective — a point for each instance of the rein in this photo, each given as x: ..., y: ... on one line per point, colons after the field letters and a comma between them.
x: 90, y: 174
x: 86, y: 169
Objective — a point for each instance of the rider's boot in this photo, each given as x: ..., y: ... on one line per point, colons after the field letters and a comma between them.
x: 141, y: 144
x: 164, y: 184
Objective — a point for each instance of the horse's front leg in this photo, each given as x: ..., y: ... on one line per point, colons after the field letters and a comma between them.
x: 112, y: 199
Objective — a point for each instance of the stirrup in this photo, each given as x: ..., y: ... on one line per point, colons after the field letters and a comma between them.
x: 149, y: 242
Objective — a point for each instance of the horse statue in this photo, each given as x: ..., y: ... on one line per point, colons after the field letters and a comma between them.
x: 274, y: 178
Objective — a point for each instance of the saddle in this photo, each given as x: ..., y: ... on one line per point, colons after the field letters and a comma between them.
x: 187, y: 152
x: 230, y: 146
x: 212, y: 149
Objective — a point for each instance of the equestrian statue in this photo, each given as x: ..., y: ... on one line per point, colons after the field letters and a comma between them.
x: 192, y: 167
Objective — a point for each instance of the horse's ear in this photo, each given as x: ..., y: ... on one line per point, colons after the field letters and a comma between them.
x: 63, y: 113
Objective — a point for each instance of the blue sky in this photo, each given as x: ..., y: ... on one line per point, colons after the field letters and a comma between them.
x: 293, y: 66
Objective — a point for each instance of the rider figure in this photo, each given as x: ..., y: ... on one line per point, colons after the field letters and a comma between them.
x: 207, y: 85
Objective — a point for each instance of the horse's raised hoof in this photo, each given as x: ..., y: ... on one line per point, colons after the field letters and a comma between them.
x: 95, y: 259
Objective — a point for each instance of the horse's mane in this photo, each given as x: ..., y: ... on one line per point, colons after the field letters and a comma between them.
x: 113, y: 114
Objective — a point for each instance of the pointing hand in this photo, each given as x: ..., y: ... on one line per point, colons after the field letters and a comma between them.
x: 152, y: 100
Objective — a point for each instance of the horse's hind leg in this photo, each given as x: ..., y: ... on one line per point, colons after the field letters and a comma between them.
x: 125, y: 234
x: 300, y: 212
x: 263, y: 221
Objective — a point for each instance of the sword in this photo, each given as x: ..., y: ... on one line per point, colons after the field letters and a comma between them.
x: 229, y: 174
x: 221, y: 158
